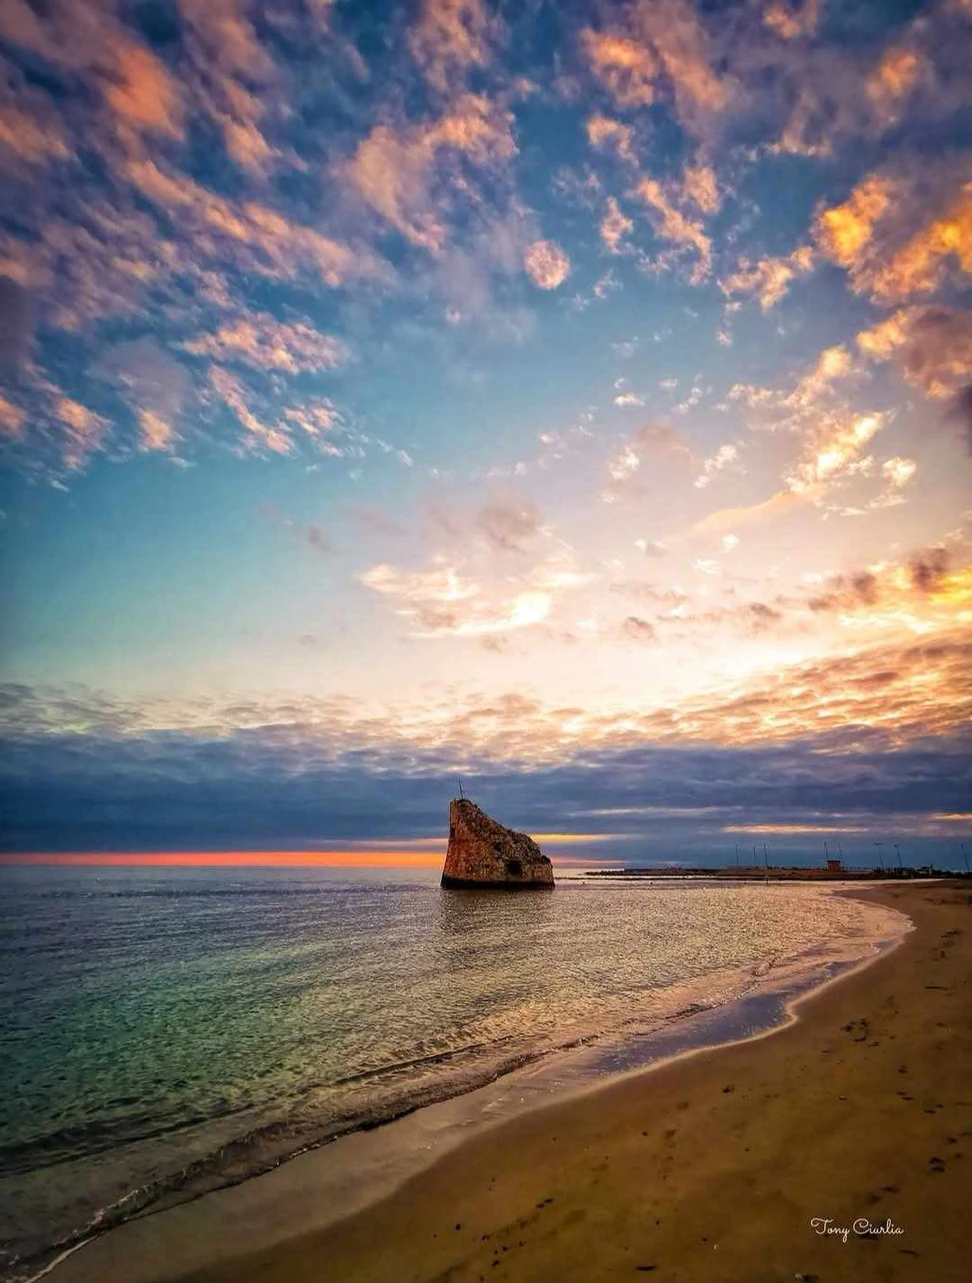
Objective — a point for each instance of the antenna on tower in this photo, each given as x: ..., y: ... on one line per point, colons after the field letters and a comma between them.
x: 461, y: 794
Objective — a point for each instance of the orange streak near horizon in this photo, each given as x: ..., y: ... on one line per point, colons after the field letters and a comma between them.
x: 266, y: 859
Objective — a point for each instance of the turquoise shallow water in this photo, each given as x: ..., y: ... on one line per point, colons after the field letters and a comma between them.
x: 168, y: 1031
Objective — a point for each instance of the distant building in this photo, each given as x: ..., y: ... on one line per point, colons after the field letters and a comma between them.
x: 835, y: 866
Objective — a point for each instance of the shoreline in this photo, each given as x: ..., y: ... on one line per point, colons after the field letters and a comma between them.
x: 312, y: 1192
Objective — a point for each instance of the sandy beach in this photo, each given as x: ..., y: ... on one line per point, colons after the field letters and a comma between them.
x: 836, y: 1148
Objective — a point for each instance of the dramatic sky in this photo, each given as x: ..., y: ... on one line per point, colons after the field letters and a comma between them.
x: 574, y: 396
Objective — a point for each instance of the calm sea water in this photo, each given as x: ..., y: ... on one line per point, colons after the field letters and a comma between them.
x: 169, y: 1031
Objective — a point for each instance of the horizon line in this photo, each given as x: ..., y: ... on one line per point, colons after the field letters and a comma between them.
x: 244, y: 859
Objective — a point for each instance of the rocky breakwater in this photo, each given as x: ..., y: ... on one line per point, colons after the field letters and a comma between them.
x: 482, y: 853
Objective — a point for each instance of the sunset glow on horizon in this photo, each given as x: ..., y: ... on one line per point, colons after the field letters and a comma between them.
x: 237, y: 859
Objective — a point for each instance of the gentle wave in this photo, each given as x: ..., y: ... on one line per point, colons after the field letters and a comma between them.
x: 265, y: 1148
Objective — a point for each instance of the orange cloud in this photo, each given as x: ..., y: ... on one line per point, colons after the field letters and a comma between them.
x: 901, y: 691
x: 260, y: 436
x: 789, y: 21
x: 259, y: 239
x: 611, y: 135
x: 448, y: 598
x: 443, y: 602
x: 234, y: 77
x: 920, y: 265
x: 154, y: 432
x: 83, y: 430
x: 809, y: 402
x: 844, y: 231
x: 677, y: 227
x: 725, y: 456
x: 872, y: 235
x: 933, y: 346
x: 896, y: 75
x: 11, y: 418
x: 614, y: 226
x: 625, y: 68
x: 141, y: 94
x: 451, y: 36
x: 831, y: 449
x: 780, y: 504
x: 833, y: 363
x: 699, y: 186
x: 403, y: 171
x: 261, y: 341
x: 906, y: 688
x: 26, y: 135
x: 154, y: 385
x: 245, y: 143
x: 768, y: 278
x: 921, y: 593
x: 99, y: 263
x: 228, y: 34
x: 664, y: 43
x: 546, y: 265
x: 316, y: 419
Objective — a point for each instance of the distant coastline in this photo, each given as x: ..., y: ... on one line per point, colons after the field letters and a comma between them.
x: 773, y: 873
